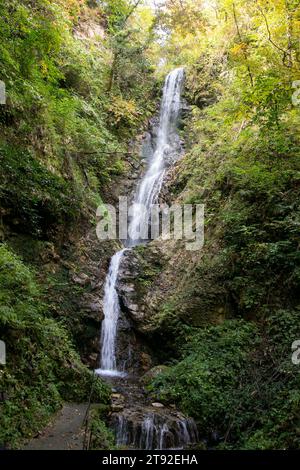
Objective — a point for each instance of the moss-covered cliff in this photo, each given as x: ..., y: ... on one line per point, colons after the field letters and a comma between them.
x: 79, y: 88
x: 219, y: 322
x: 228, y: 314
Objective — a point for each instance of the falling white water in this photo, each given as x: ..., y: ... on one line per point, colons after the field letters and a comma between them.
x: 111, y: 310
x: 167, y: 144
x: 154, y: 431
x: 122, y: 431
x: 147, y: 433
x: 163, y: 431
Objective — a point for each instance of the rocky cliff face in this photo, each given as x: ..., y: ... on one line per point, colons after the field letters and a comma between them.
x: 163, y: 287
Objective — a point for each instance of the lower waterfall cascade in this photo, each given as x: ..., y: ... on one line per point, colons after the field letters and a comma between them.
x: 111, y: 308
x: 155, y: 431
x: 142, y: 426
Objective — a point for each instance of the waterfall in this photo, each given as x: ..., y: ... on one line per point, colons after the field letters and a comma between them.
x: 111, y: 310
x: 164, y: 430
x: 147, y: 193
x: 121, y: 431
x: 188, y: 432
x: 167, y: 144
x: 154, y: 431
x: 138, y: 426
x: 147, y: 433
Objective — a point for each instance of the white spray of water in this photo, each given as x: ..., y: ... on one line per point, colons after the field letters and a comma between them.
x: 167, y: 143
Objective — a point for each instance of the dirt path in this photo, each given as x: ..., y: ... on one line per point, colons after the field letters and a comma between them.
x: 66, y: 431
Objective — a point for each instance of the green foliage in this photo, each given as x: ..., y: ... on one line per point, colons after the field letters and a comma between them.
x: 150, y: 267
x: 32, y: 194
x: 131, y: 81
x: 63, y: 125
x: 214, y: 360
x: 239, y: 384
x: 42, y: 367
x: 64, y: 131
x: 248, y: 177
x: 117, y: 11
x: 101, y: 438
x: 242, y: 162
x: 73, y: 105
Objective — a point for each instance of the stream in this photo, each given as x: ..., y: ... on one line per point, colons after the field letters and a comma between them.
x: 137, y: 422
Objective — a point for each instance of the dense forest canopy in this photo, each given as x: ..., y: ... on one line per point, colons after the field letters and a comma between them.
x: 83, y: 78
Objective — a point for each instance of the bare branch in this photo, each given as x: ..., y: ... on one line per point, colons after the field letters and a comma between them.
x: 285, y: 52
x: 269, y: 32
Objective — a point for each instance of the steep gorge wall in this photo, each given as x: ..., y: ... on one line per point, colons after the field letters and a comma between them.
x: 164, y: 287
x: 66, y: 147
x: 227, y: 314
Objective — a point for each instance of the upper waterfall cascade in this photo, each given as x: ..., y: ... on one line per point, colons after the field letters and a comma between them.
x: 166, y: 145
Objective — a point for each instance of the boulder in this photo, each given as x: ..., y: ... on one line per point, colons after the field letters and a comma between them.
x: 81, y: 279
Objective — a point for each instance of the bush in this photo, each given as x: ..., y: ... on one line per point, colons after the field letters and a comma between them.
x: 42, y: 367
x: 239, y: 383
x: 39, y: 200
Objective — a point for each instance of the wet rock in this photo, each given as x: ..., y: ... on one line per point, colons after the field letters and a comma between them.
x: 49, y: 254
x: 96, y: 285
x: 92, y: 306
x: 95, y: 306
x: 117, y: 402
x: 81, y: 279
x: 116, y: 407
x: 83, y: 269
x: 93, y: 359
x: 136, y: 276
x: 134, y: 308
x: 146, y: 361
x: 158, y: 405
x: 149, y: 428
x: 117, y: 396
x: 128, y: 289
